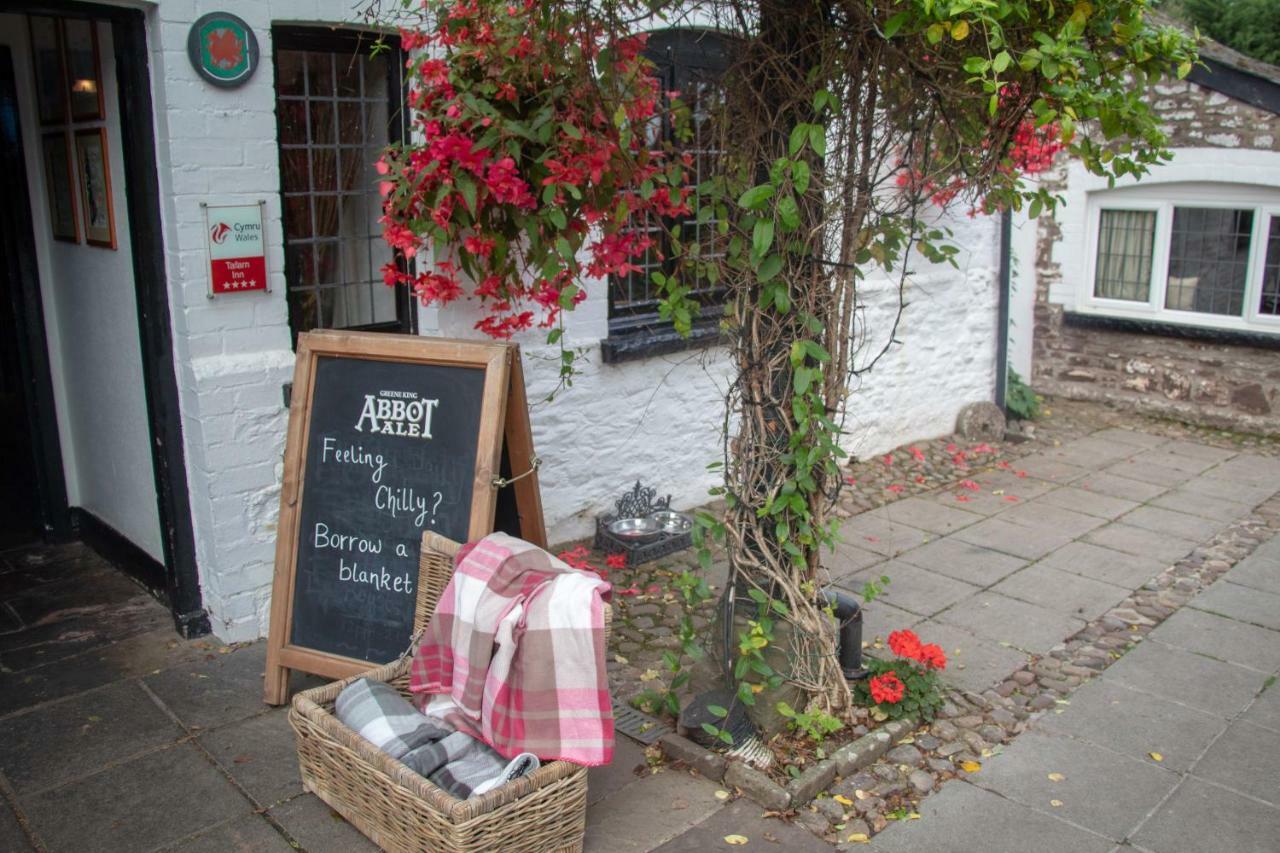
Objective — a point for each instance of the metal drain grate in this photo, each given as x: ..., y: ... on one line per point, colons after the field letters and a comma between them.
x: 638, y: 726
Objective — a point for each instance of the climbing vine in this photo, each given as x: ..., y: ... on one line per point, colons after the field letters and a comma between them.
x: 842, y: 127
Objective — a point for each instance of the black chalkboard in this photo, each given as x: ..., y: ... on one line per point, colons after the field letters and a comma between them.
x: 391, y: 452
x: 389, y: 436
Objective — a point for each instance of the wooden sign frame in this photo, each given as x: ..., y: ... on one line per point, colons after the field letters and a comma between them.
x: 504, y: 421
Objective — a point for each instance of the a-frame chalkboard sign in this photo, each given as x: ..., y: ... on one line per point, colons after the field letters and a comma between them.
x: 389, y: 436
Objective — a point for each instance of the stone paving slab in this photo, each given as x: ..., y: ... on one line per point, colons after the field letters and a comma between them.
x: 927, y: 515
x: 54, y: 744
x: 1203, y: 817
x: 260, y: 754
x: 1247, y: 759
x: 1143, y: 440
x: 963, y: 818
x: 1212, y: 686
x: 1115, y: 485
x: 1265, y: 710
x: 318, y: 828
x: 880, y: 617
x: 743, y: 817
x: 1025, y: 542
x: 148, y: 802
x: 649, y: 813
x: 1141, y: 542
x: 1251, y: 469
x: 1062, y: 592
x: 629, y: 764
x: 1092, y: 452
x: 247, y: 834
x: 1149, y: 472
x: 973, y: 663
x: 1134, y: 724
x: 1006, y: 620
x: 1222, y: 487
x: 1132, y: 789
x: 1258, y: 571
x: 911, y: 588
x: 1104, y: 564
x: 964, y: 561
x: 881, y: 536
x: 847, y: 559
x: 1241, y: 603
x: 1178, y: 460
x: 1085, y: 501
x: 12, y: 837
x: 216, y: 690
x: 1042, y: 516
x: 1222, y: 638
x: 1173, y: 523
x: 1189, y: 501
x: 1043, y: 466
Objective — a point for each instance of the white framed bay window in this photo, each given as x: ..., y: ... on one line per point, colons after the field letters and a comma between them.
x: 1200, y: 254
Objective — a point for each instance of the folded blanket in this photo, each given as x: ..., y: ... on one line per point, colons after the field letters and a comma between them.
x: 515, y: 654
x: 461, y: 765
x: 465, y: 767
x: 380, y: 715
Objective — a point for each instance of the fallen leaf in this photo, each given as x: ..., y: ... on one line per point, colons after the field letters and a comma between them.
x: 1055, y: 803
x: 1056, y: 777
x: 620, y: 659
x: 843, y: 800
x: 970, y: 766
x: 722, y: 795
x: 913, y: 815
x: 736, y: 840
x: 1155, y: 756
x: 649, y: 675
x: 861, y: 794
x: 858, y: 838
x: 95, y: 719
x: 242, y: 759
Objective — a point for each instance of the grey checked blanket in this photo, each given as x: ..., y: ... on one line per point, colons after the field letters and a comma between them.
x: 456, y: 762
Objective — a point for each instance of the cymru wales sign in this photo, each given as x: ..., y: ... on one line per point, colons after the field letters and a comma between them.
x: 237, y: 250
x: 223, y: 49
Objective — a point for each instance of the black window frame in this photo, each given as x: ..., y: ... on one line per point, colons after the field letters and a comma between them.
x: 350, y: 41
x: 682, y: 55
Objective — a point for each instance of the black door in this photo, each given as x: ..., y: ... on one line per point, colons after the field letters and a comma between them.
x: 32, y: 489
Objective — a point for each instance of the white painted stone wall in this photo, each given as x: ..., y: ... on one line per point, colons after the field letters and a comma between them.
x: 657, y: 419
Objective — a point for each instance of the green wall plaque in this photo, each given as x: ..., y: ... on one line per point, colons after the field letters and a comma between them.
x: 223, y: 49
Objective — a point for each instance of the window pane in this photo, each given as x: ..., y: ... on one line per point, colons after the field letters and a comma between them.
x: 1125, y: 241
x: 1209, y: 260
x: 1270, y: 301
x: 333, y: 109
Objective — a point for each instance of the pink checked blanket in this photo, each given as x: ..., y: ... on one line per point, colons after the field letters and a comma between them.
x: 515, y: 654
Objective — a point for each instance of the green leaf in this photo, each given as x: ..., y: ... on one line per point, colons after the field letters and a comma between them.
x: 769, y: 269
x: 788, y: 212
x: 799, y: 134
x: 718, y: 711
x: 800, y: 176
x: 935, y: 33
x: 467, y: 187
x: 785, y: 710
x: 762, y: 237
x: 1001, y: 62
x: 755, y: 198
x: 818, y: 139
x: 894, y: 24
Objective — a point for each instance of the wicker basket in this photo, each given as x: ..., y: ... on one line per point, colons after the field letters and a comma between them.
x: 402, y: 811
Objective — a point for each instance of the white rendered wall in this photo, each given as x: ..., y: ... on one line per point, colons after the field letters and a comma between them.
x: 91, y: 319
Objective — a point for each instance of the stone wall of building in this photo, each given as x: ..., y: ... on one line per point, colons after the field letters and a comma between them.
x: 1215, y: 139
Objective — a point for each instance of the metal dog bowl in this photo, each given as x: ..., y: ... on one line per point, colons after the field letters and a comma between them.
x: 635, y: 529
x: 670, y: 521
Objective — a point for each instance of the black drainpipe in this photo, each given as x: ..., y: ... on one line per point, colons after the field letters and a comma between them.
x: 1002, y: 323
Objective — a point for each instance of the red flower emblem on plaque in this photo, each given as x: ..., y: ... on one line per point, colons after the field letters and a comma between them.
x: 225, y: 50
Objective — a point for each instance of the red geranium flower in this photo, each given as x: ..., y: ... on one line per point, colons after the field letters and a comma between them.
x: 887, y: 689
x: 932, y: 656
x: 905, y: 644
x: 616, y: 561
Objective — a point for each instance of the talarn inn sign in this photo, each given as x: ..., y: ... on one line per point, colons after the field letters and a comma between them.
x: 237, y: 250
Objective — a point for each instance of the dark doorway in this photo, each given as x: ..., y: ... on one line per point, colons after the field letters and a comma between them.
x: 32, y: 489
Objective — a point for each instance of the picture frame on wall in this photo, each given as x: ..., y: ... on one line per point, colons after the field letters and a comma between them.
x: 60, y: 185
x: 50, y: 69
x: 94, y: 169
x: 84, y: 68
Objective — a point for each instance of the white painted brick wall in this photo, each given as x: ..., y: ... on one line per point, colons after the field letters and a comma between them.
x: 657, y: 419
